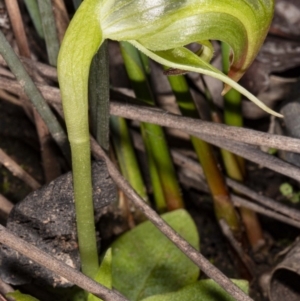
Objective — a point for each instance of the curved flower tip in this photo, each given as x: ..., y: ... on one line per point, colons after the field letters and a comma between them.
x: 256, y: 24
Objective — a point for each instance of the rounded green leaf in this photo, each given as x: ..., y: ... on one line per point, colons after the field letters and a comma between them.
x: 206, y: 290
x: 145, y: 262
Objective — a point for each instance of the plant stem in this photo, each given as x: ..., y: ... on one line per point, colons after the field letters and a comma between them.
x: 82, y: 40
x: 153, y: 135
x: 49, y: 28
x: 35, y: 16
x: 235, y: 165
x: 84, y: 207
x: 224, y: 208
x: 127, y: 160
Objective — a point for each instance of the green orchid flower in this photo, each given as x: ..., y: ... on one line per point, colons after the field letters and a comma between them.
x: 160, y: 29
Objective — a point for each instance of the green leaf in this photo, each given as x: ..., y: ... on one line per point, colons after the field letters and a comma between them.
x: 145, y: 262
x: 104, y: 274
x: 18, y: 296
x: 206, y: 290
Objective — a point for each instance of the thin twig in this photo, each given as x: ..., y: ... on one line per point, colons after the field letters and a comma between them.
x: 265, y: 201
x: 5, y: 207
x: 183, y: 245
x: 57, y: 266
x: 192, y: 165
x: 18, y: 27
x: 61, y: 18
x: 164, y: 118
x: 50, y: 163
x: 239, y: 201
x: 17, y: 171
x: 46, y: 71
x: 5, y: 289
x: 249, y: 264
x: 254, y: 154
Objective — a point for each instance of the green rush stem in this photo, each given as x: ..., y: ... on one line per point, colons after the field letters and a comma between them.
x: 49, y: 28
x: 33, y: 9
x: 126, y: 158
x: 154, y: 138
x: 235, y: 165
x: 35, y: 96
x: 224, y: 208
x: 99, y: 96
x: 232, y: 116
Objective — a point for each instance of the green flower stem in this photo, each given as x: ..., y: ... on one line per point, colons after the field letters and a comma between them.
x: 235, y: 165
x: 34, y: 95
x: 33, y: 9
x: 127, y: 159
x: 224, y: 208
x: 99, y: 96
x: 76, y: 53
x: 153, y: 135
x: 84, y: 207
x: 49, y: 28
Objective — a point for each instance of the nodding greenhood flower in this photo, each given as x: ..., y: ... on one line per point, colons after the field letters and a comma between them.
x: 160, y: 29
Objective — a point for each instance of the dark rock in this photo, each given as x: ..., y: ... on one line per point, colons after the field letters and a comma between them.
x: 46, y: 218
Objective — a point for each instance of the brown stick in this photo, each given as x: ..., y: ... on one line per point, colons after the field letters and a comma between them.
x: 61, y: 18
x: 17, y: 171
x: 57, y: 266
x: 5, y: 207
x: 18, y: 28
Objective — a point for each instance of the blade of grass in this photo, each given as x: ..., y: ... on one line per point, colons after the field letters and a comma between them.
x: 34, y: 95
x: 33, y: 9
x: 153, y: 135
x: 49, y: 28
x: 127, y: 159
x: 49, y: 162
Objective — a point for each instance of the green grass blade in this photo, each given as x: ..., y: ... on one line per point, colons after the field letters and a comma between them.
x: 126, y: 155
x: 49, y: 28
x: 33, y: 9
x: 160, y: 155
x: 34, y: 95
